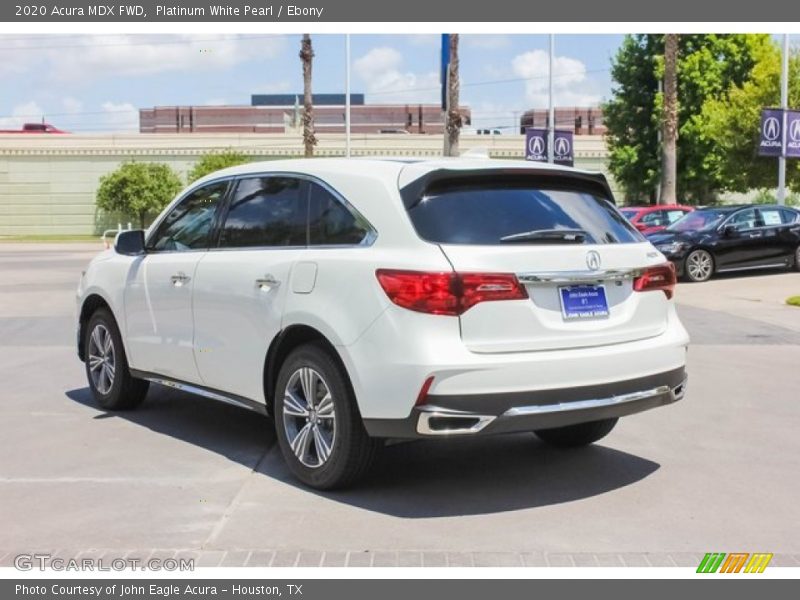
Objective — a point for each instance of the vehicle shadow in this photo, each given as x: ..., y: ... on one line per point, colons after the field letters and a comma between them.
x: 423, y: 479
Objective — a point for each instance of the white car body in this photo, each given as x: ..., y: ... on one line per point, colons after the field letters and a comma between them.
x: 206, y: 319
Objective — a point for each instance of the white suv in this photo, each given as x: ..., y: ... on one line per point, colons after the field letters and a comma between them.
x: 356, y: 301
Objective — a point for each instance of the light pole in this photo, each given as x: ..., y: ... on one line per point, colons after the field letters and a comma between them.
x: 347, y: 95
x: 551, y: 124
x: 785, y: 107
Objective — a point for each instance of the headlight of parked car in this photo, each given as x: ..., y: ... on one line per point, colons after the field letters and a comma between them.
x: 672, y: 248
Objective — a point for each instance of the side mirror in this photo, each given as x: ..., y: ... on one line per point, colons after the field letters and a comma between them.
x: 640, y: 226
x: 130, y: 242
x: 729, y: 231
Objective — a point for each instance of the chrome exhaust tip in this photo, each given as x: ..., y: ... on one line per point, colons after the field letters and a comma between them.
x: 434, y: 420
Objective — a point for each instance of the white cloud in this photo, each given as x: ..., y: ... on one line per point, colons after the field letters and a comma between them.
x: 570, y: 84
x: 381, y: 70
x: 120, y: 116
x: 27, y: 112
x: 274, y: 87
x: 81, y: 58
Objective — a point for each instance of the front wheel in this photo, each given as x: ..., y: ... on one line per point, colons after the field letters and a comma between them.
x: 573, y: 436
x: 319, y: 428
x: 699, y: 266
x: 110, y: 380
x: 797, y: 259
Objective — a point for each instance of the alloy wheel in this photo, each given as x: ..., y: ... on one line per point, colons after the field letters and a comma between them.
x: 102, y: 359
x: 700, y: 265
x: 309, y: 418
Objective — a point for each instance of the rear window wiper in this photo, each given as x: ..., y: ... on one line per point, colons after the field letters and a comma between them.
x: 566, y: 236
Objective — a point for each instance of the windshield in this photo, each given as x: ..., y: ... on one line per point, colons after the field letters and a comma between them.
x: 629, y: 212
x: 491, y: 213
x: 699, y: 220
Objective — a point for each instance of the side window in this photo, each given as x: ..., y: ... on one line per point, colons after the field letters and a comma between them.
x: 770, y: 217
x: 674, y: 215
x: 188, y: 225
x: 266, y: 211
x: 744, y: 219
x: 790, y: 216
x: 654, y: 219
x: 331, y: 222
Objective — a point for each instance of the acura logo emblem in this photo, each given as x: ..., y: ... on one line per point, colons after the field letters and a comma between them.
x: 536, y: 145
x: 772, y: 128
x: 562, y: 146
x: 794, y: 130
x: 593, y: 260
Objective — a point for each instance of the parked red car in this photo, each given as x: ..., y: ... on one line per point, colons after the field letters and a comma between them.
x: 34, y: 128
x: 650, y: 219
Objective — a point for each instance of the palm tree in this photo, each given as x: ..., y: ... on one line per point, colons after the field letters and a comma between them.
x: 669, y: 122
x: 307, y: 57
x: 453, y: 120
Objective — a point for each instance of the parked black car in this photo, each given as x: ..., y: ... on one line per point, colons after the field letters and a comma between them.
x: 731, y: 238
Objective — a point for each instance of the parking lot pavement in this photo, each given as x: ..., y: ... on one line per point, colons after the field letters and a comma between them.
x: 184, y: 475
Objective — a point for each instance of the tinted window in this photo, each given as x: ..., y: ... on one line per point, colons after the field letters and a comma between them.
x: 331, y: 222
x: 189, y: 224
x: 485, y: 213
x: 744, y: 219
x: 790, y: 216
x: 700, y: 220
x: 266, y: 211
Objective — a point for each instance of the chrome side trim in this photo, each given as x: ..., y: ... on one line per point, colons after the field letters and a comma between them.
x: 755, y: 267
x: 431, y: 412
x: 539, y: 409
x: 578, y: 276
x: 206, y: 393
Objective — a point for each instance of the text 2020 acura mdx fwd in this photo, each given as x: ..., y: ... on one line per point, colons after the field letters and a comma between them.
x: 363, y: 300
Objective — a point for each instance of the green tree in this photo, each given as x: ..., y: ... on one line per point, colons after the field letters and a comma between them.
x: 214, y: 161
x: 710, y: 66
x: 733, y: 123
x: 138, y: 189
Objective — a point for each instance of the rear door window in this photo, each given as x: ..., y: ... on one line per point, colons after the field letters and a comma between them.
x: 266, y: 211
x: 487, y: 213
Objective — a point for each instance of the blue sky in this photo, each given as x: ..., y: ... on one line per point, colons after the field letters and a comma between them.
x: 96, y: 83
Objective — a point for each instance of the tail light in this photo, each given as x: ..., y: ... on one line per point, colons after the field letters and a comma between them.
x: 661, y: 277
x: 447, y: 293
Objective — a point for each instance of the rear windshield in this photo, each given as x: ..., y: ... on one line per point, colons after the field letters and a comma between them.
x: 496, y: 214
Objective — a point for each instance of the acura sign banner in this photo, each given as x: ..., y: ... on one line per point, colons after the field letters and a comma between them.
x: 771, y: 143
x: 793, y: 134
x: 774, y: 141
x: 536, y: 146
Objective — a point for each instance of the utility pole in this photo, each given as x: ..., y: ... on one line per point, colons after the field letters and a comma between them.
x: 551, y: 112
x: 785, y: 107
x: 347, y: 96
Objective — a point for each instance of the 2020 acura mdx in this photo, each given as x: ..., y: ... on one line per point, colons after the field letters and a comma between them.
x: 361, y: 300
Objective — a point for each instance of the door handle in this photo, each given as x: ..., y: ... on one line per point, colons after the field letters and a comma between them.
x: 267, y: 282
x: 179, y: 279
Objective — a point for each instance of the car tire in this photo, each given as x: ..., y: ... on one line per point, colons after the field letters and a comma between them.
x: 319, y: 427
x: 698, y: 265
x: 797, y: 259
x: 574, y: 436
x: 110, y: 380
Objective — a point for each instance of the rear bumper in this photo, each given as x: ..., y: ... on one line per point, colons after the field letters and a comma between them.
x: 488, y: 414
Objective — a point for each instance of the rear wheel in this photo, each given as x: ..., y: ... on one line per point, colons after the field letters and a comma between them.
x: 699, y: 265
x: 797, y: 259
x: 110, y: 380
x: 573, y: 436
x: 319, y: 427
